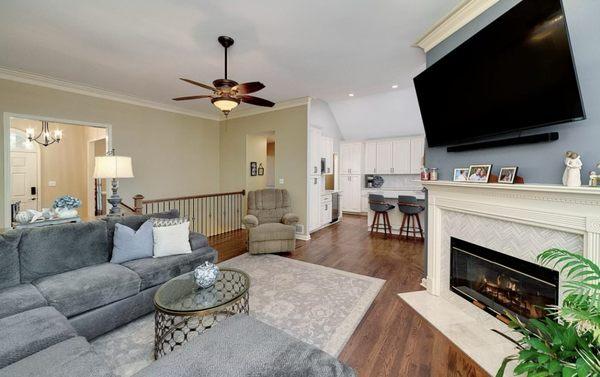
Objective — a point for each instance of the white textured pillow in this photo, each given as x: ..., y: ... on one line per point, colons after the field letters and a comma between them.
x: 171, y: 237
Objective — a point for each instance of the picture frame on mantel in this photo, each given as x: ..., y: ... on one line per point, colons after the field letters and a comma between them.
x: 508, y: 174
x: 479, y: 173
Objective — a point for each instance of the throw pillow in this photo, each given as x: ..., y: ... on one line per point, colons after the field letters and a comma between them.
x: 171, y: 237
x: 129, y: 244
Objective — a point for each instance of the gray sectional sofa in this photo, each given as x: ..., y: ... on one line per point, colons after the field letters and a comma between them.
x: 58, y: 290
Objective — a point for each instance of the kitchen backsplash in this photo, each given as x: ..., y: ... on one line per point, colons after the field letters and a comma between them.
x: 403, y: 181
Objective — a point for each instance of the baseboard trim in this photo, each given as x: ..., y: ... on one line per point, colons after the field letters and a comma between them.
x: 303, y: 237
x: 425, y: 283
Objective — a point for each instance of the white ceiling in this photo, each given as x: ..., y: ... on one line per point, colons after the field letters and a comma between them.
x: 322, y: 49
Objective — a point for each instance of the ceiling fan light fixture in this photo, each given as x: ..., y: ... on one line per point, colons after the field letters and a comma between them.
x: 225, y: 104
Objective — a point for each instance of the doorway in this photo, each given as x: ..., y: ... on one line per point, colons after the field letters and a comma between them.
x: 37, y: 174
x: 260, y: 160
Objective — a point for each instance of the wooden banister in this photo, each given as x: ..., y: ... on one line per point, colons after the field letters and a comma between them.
x: 210, y: 214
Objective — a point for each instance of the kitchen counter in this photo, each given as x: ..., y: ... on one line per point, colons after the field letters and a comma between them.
x: 393, y: 193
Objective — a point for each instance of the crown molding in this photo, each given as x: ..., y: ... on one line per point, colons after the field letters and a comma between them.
x: 261, y: 110
x: 464, y: 13
x: 67, y: 86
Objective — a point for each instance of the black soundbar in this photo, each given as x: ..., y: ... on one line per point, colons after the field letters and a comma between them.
x: 531, y: 139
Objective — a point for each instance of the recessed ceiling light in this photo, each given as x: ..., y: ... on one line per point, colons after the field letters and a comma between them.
x: 394, y: 86
x: 351, y: 95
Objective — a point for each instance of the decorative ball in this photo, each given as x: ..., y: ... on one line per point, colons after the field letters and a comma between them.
x: 206, y: 274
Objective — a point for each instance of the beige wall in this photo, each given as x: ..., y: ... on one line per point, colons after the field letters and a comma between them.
x: 256, y: 151
x: 173, y: 154
x: 291, y: 130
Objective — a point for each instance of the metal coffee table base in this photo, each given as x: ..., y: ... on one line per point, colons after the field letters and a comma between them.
x: 171, y: 330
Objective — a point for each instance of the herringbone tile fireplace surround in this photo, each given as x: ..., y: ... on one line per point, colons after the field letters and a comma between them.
x: 517, y: 220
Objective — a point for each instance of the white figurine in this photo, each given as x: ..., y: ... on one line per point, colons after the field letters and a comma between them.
x: 572, y: 174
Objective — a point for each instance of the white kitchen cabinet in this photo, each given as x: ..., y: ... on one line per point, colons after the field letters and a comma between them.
x: 350, y: 158
x: 384, y: 157
x: 326, y: 209
x: 417, y: 151
x: 315, y: 151
x: 314, y: 220
x: 327, y: 153
x: 350, y: 186
x: 401, y: 156
x: 371, y: 157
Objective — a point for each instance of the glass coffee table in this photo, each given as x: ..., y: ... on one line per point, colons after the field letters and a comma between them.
x: 184, y: 310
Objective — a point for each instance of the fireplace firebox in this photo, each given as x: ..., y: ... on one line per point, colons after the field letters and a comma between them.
x: 499, y: 283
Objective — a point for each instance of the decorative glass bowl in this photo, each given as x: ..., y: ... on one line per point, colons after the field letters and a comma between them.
x: 206, y: 274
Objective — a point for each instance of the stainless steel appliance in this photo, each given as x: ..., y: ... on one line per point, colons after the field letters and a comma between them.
x: 335, y: 207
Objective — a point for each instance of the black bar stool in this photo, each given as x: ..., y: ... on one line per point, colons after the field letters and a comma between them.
x: 410, y: 208
x: 380, y: 207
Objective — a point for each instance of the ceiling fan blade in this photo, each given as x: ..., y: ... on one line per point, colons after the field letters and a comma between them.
x: 248, y: 87
x: 199, y: 84
x: 190, y: 97
x: 257, y: 101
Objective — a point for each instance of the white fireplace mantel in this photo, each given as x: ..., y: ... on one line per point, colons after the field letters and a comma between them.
x: 520, y: 220
x: 573, y: 210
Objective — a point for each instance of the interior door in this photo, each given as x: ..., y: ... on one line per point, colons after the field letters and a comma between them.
x: 24, y: 179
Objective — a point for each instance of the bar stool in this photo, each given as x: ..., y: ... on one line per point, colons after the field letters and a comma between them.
x: 410, y: 208
x: 380, y: 207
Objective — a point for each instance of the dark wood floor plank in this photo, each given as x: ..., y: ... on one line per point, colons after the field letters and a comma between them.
x: 392, y: 339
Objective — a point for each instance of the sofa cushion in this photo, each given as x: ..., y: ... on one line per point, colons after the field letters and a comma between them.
x: 55, y: 249
x: 154, y: 271
x: 9, y: 259
x: 71, y: 358
x: 272, y: 231
x: 134, y: 222
x: 234, y: 344
x: 198, y: 240
x: 129, y: 244
x: 20, y: 298
x: 87, y: 288
x: 171, y: 237
x: 28, y: 332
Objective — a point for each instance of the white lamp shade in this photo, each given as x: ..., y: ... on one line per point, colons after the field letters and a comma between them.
x: 113, y: 167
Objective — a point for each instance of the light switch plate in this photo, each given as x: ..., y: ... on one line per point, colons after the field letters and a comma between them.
x: 51, y: 183
x: 281, y: 181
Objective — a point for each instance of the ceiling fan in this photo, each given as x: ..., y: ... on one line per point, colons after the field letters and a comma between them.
x: 227, y: 94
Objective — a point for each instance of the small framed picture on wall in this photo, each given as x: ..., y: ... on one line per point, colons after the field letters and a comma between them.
x: 253, y: 169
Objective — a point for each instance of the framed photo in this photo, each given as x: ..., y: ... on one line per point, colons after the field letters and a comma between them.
x: 253, y: 169
x: 461, y: 175
x: 508, y: 174
x: 480, y: 173
x: 261, y: 170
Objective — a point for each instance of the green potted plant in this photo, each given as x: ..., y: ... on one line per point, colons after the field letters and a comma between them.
x: 566, y: 342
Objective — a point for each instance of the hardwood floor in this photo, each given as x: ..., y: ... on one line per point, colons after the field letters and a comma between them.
x: 392, y: 339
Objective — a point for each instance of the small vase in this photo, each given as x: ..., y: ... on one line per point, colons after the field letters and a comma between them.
x: 206, y: 274
x: 66, y: 213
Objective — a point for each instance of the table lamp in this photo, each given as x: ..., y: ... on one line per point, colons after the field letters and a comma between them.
x: 113, y: 167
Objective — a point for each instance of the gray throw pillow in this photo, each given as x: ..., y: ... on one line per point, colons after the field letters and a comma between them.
x: 129, y: 244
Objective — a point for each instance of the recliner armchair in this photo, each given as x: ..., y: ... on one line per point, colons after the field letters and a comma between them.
x: 271, y: 224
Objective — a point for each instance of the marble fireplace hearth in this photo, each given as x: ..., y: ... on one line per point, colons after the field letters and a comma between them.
x: 517, y: 220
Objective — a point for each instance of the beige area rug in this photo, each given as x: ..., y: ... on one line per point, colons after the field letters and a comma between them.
x: 319, y: 305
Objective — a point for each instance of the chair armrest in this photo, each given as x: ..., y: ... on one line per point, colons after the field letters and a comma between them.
x: 250, y: 221
x: 198, y: 240
x: 290, y: 219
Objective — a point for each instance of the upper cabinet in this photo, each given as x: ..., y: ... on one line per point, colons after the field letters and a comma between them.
x: 388, y: 156
x: 327, y: 153
x: 315, y: 151
x: 350, y: 158
x: 417, y: 154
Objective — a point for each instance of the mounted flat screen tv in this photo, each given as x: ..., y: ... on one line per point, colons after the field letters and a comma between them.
x: 516, y: 73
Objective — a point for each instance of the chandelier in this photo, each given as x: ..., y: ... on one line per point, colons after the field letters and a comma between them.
x: 44, y: 138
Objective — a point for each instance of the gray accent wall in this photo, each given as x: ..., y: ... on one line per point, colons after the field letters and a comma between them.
x: 540, y: 163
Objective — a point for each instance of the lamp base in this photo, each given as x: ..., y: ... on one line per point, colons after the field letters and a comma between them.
x: 115, y: 200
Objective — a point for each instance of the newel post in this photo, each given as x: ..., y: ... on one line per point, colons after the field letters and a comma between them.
x: 138, y: 203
